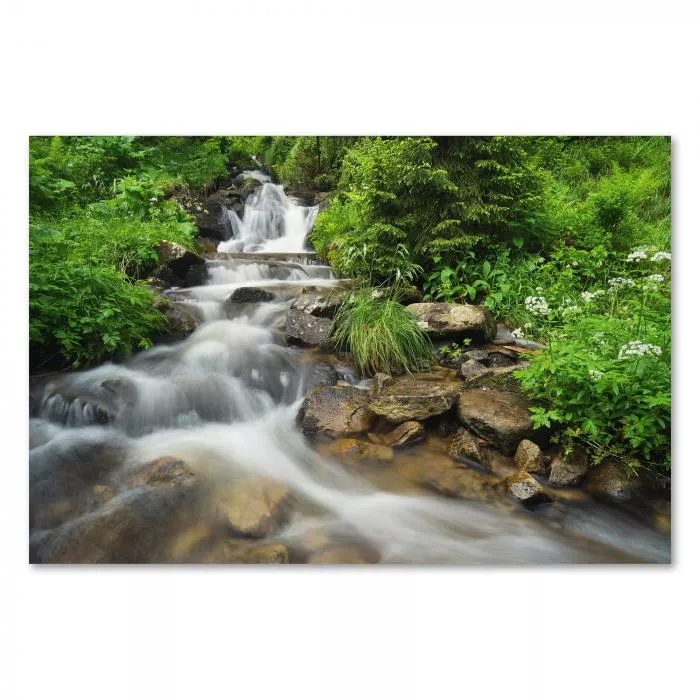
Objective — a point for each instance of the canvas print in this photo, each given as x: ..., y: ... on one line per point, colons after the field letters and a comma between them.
x: 442, y: 350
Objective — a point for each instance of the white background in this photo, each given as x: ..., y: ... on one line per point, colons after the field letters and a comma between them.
x: 362, y: 67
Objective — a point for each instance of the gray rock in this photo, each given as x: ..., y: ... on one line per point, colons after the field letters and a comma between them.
x: 315, y: 304
x: 179, y: 265
x: 335, y: 410
x: 305, y: 329
x: 570, y: 470
x: 250, y: 295
x: 478, y: 354
x: 525, y: 489
x: 471, y: 369
x: 442, y: 320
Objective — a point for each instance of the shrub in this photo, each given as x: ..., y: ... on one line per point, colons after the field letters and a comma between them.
x: 381, y: 335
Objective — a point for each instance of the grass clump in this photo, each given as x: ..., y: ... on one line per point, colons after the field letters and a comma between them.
x: 381, y: 335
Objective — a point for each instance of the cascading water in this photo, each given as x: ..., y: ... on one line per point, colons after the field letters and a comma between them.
x: 225, y: 399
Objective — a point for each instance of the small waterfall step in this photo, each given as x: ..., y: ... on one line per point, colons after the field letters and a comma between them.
x: 308, y: 257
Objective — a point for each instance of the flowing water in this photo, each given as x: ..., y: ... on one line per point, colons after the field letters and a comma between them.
x: 224, y: 400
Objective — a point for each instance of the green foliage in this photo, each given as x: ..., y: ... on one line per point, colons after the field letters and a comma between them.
x: 455, y: 350
x: 381, y: 335
x: 86, y: 313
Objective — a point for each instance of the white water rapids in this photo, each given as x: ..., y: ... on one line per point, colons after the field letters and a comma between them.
x: 224, y: 400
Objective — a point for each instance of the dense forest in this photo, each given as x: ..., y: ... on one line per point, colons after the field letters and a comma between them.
x: 565, y: 239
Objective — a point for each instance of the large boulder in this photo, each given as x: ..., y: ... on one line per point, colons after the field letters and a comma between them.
x: 182, y: 320
x: 413, y: 399
x: 179, y: 265
x: 305, y: 329
x: 212, y: 217
x: 525, y: 489
x: 568, y: 470
x: 254, y: 506
x: 442, y: 320
x: 317, y: 304
x: 336, y: 411
x: 501, y: 418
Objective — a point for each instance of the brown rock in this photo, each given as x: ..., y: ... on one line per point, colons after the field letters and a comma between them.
x: 442, y: 320
x: 412, y: 399
x: 342, y: 555
x: 335, y: 410
x: 254, y: 506
x: 609, y: 480
x: 525, y: 489
x: 407, y: 433
x: 465, y: 449
x: 237, y: 552
x: 529, y: 458
x: 568, y: 471
x: 350, y: 448
x: 501, y: 418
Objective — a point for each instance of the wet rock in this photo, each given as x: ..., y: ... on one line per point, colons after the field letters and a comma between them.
x: 210, y: 245
x: 443, y: 320
x: 181, y: 321
x: 183, y: 265
x: 477, y: 354
x: 315, y: 304
x: 342, y: 555
x: 525, y: 489
x: 336, y: 411
x: 250, y: 295
x: 237, y: 552
x: 529, y: 458
x: 323, y: 375
x: 500, y: 359
x: 412, y: 399
x: 465, y: 449
x: 380, y: 380
x: 164, y: 472
x: 501, y: 418
x: 471, y: 369
x: 305, y: 329
x: 499, y: 378
x: 407, y: 433
x: 609, y: 480
x: 254, y: 506
x: 212, y: 218
x: 569, y: 470
x: 358, y: 450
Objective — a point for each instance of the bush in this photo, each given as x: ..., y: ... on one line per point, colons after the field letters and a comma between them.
x: 381, y: 335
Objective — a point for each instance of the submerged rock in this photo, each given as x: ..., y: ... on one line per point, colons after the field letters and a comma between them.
x: 529, y: 458
x: 254, y: 506
x: 407, y: 433
x: 526, y: 489
x: 465, y: 449
x: 503, y: 419
x: 305, y: 329
x: 443, y: 320
x: 609, y: 480
x: 353, y: 449
x: 412, y: 399
x: 336, y: 411
x: 568, y: 471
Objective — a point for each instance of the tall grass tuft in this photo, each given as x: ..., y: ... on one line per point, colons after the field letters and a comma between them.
x: 381, y: 335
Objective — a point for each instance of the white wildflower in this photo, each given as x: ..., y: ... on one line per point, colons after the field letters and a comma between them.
x: 574, y: 264
x: 590, y: 296
x: 599, y: 337
x: 656, y: 278
x: 662, y: 255
x: 153, y: 199
x: 616, y: 283
x: 637, y: 255
x: 537, y: 306
x: 568, y: 310
x: 594, y: 374
x: 599, y: 263
x: 636, y: 348
x: 540, y: 259
x: 517, y: 332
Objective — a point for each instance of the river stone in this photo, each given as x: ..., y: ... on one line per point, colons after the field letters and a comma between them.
x: 410, y: 399
x: 380, y: 380
x: 478, y: 354
x: 335, y: 410
x: 212, y: 218
x: 250, y: 295
x: 465, y: 449
x: 237, y: 552
x: 405, y: 434
x: 354, y: 449
x: 501, y: 418
x: 183, y: 266
x: 321, y: 305
x: 525, y: 489
x: 305, y: 329
x: 529, y: 458
x: 443, y: 320
x: 471, y: 369
x: 570, y: 470
x: 181, y: 320
x: 349, y: 554
x: 254, y: 506
x: 323, y: 374
x: 166, y: 472
x: 609, y: 480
